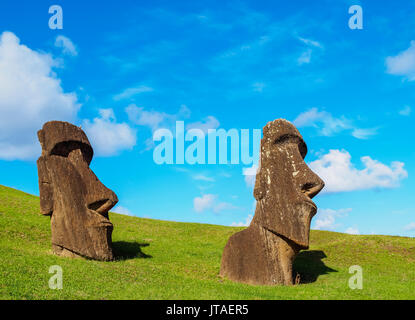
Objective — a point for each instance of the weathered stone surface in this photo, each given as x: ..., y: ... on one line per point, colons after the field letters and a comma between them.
x: 72, y: 195
x: 263, y: 253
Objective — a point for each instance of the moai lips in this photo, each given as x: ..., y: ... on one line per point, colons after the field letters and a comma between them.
x: 264, y: 252
x: 72, y: 195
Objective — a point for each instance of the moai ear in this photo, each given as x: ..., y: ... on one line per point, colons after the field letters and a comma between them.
x: 41, y: 137
x: 260, y: 187
x: 45, y: 187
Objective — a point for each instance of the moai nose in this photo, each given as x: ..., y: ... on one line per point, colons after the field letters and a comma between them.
x: 311, y: 183
x: 100, y: 198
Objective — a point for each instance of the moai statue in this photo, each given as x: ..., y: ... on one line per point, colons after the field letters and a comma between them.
x: 263, y: 253
x: 72, y: 195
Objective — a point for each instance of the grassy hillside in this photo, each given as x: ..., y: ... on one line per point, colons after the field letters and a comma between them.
x: 169, y: 260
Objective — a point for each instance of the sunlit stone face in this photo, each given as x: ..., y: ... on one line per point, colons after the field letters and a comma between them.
x: 71, y: 193
x: 285, y: 185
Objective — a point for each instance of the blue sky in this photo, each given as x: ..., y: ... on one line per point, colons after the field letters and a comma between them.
x: 124, y: 71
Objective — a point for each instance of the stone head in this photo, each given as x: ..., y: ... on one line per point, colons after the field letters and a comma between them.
x: 284, y: 184
x: 71, y: 194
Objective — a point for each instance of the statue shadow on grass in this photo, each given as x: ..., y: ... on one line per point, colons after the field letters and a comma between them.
x: 309, y: 265
x: 124, y: 250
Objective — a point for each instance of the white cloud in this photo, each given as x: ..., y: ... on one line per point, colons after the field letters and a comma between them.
x: 130, y: 92
x: 325, y: 223
x: 107, y: 136
x: 209, y: 122
x: 30, y: 95
x: 327, y: 125
x: 66, y: 45
x: 406, y: 111
x: 203, y: 203
x: 326, y: 218
x: 410, y: 227
x: 142, y: 117
x: 352, y: 230
x: 243, y: 223
x: 209, y: 202
x: 250, y: 175
x: 403, y: 64
x: 339, y: 174
x: 122, y: 210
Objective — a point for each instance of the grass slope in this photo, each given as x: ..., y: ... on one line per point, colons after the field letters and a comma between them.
x: 170, y: 260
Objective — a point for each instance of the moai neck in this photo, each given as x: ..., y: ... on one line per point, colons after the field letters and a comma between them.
x: 281, y: 253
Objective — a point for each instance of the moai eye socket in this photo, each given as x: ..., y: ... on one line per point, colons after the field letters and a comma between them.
x: 63, y: 149
x: 292, y: 138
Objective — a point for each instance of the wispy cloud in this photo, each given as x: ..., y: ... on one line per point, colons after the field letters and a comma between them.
x: 210, y: 202
x: 202, y: 177
x: 328, y: 125
x: 155, y: 119
x: 323, y: 121
x: 258, y: 86
x: 210, y: 122
x: 241, y: 57
x: 67, y: 46
x: 410, y: 227
x: 131, y: 92
x: 360, y: 133
x: 305, y: 57
x: 311, y: 45
x: 406, y: 111
x: 310, y: 42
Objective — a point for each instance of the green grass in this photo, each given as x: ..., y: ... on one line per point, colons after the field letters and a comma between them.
x: 171, y: 260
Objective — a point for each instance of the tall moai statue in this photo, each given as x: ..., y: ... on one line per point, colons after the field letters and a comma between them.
x: 72, y: 195
x: 263, y: 253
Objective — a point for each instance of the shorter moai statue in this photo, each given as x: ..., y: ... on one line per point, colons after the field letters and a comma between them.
x: 72, y: 195
x: 263, y: 253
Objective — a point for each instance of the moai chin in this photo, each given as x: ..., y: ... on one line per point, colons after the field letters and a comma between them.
x: 263, y: 253
x: 72, y: 195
